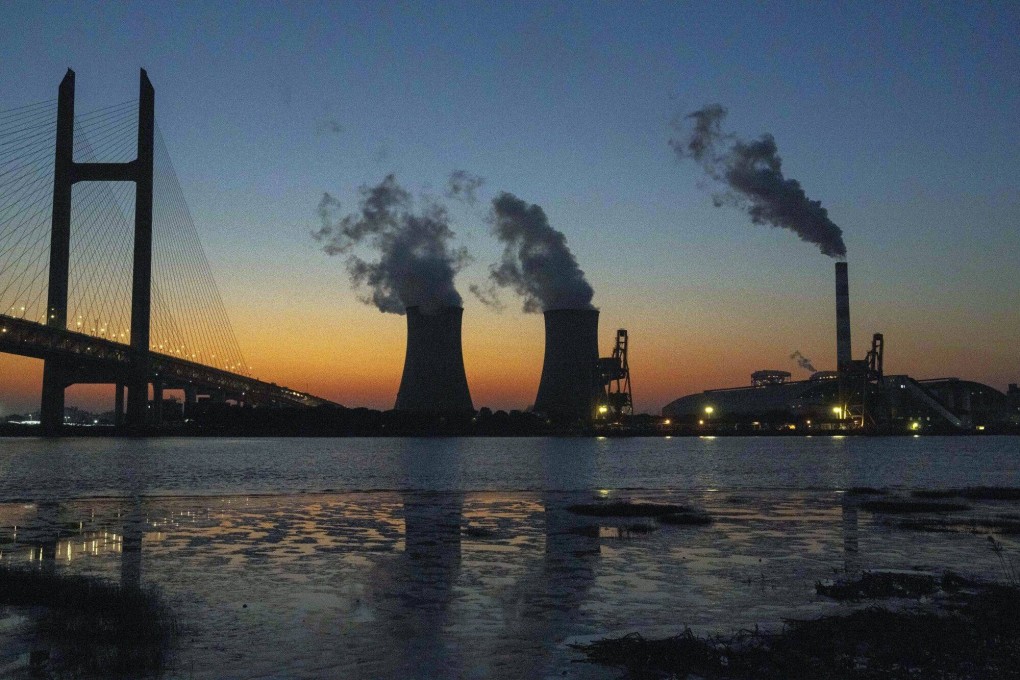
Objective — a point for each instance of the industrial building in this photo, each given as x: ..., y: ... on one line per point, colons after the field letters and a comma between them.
x: 577, y: 386
x: 434, y: 380
x: 567, y: 389
x: 858, y: 396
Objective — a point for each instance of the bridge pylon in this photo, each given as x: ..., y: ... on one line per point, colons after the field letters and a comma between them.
x: 56, y: 373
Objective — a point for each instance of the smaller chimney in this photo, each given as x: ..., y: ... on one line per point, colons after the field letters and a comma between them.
x: 843, y: 352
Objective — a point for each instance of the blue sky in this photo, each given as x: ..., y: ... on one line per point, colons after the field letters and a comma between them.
x: 900, y: 117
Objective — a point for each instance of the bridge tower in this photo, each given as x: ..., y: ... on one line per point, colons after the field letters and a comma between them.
x: 56, y: 373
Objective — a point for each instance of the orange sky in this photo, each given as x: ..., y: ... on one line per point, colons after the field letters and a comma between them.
x: 350, y: 353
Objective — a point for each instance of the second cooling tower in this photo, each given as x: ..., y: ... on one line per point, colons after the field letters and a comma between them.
x: 568, y: 387
x: 434, y: 380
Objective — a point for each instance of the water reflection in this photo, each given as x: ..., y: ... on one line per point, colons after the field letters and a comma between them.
x: 410, y: 592
x: 132, y: 537
x: 851, y: 529
x: 546, y: 607
x: 425, y: 583
x: 426, y: 575
x: 47, y: 530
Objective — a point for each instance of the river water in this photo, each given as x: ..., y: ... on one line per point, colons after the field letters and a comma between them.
x: 422, y: 558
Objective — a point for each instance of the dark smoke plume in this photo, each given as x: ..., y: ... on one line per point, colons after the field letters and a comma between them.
x: 488, y: 295
x: 803, y: 361
x: 752, y: 172
x: 536, y: 261
x: 463, y: 186
x: 416, y: 264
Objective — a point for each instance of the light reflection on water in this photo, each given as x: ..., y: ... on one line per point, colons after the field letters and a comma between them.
x: 434, y: 576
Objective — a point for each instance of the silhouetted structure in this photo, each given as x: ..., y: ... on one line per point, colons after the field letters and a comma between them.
x: 615, y: 399
x: 66, y: 173
x: 74, y: 356
x: 434, y: 380
x: 570, y: 382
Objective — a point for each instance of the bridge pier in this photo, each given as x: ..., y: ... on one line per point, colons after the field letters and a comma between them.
x: 157, y: 402
x: 54, y: 380
x: 141, y: 276
x: 52, y: 407
x: 190, y: 398
x: 118, y: 404
x: 66, y: 174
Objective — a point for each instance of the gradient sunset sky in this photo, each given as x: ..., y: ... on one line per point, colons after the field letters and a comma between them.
x: 901, y: 118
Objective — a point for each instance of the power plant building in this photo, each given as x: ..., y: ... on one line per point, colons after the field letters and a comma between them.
x: 857, y: 395
x: 434, y: 380
x: 570, y: 382
x: 946, y: 404
x: 774, y: 400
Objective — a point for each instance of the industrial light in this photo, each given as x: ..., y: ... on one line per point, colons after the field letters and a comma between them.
x: 709, y: 410
x: 603, y: 410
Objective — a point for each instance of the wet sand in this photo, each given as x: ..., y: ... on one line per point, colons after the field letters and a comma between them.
x: 473, y: 585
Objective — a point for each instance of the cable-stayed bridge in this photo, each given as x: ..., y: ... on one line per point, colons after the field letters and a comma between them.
x: 102, y: 273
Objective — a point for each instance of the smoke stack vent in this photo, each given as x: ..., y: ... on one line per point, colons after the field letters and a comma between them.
x: 843, y: 352
x: 434, y: 380
x: 569, y: 381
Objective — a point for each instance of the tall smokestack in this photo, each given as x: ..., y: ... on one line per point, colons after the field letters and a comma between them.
x: 434, y: 380
x: 568, y: 386
x: 843, y: 353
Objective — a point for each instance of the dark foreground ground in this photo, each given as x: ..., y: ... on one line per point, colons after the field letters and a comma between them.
x: 86, y: 627
x: 951, y: 628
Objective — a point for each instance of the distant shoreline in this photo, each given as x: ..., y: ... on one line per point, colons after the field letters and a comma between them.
x: 15, y: 430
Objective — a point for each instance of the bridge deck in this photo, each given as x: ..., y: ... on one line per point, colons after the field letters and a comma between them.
x: 97, y: 360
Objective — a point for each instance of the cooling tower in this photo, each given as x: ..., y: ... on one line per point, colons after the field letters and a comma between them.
x: 569, y: 381
x: 434, y: 379
x: 843, y: 353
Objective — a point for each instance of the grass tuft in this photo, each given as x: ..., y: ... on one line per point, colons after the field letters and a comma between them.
x: 879, y: 585
x: 978, y: 637
x: 93, y: 626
